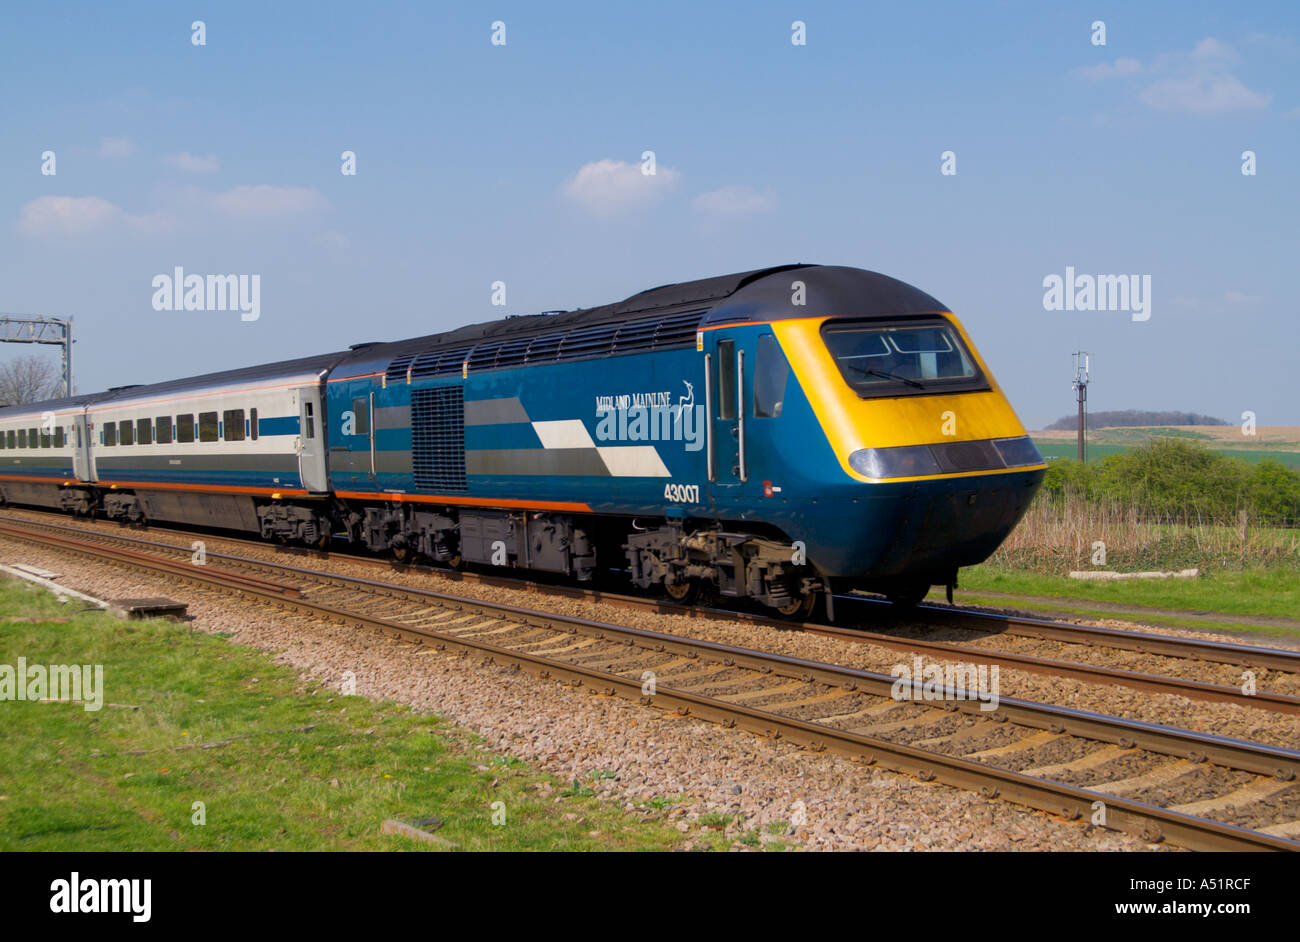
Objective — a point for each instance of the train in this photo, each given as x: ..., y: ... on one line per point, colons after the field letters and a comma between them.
x: 780, y: 435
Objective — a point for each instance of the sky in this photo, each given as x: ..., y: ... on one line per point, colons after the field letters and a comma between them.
x: 522, y: 162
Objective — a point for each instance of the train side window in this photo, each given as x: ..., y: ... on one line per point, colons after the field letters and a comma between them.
x: 162, y: 430
x: 110, y: 434
x: 726, y: 379
x: 45, y: 439
x: 144, y: 431
x: 12, y: 439
x: 59, y: 439
x: 31, y: 439
x: 252, y: 423
x: 771, y: 371
x: 311, y: 422
x: 208, y: 427
x: 22, y: 438
x: 232, y: 422
x: 360, y: 416
x: 2, y: 440
x: 185, y: 428
x: 126, y: 432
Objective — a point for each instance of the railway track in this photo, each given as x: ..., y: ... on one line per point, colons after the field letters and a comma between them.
x: 1194, y: 789
x: 1270, y: 665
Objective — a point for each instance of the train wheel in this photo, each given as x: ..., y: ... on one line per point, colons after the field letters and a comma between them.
x: 908, y: 595
x: 401, y: 553
x: 798, y: 608
x: 683, y: 592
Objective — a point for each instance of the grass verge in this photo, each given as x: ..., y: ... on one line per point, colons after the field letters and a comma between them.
x: 190, y: 718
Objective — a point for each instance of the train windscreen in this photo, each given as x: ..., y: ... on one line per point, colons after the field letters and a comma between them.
x: 901, y: 358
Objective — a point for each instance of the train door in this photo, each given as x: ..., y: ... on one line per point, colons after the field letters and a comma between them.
x: 311, y: 440
x: 79, y: 436
x: 725, y: 369
x: 358, y: 427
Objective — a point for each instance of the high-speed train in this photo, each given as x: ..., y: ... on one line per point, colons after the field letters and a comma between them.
x: 770, y: 435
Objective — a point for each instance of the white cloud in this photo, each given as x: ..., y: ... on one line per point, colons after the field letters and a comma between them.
x: 55, y: 215
x: 733, y: 201
x: 116, y: 147
x: 192, y: 164
x: 1202, y: 94
x: 1240, y: 297
x: 80, y: 215
x: 1105, y: 70
x: 1200, y: 82
x: 267, y: 200
x: 607, y: 186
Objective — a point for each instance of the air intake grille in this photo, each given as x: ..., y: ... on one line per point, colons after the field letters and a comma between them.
x: 584, y: 343
x: 438, y: 438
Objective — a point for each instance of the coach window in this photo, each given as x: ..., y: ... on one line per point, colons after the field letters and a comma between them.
x: 126, y: 432
x: 185, y: 428
x: 144, y: 431
x: 110, y: 433
x: 726, y: 379
x: 232, y: 422
x: 45, y: 439
x: 311, y: 422
x: 770, y: 374
x: 59, y: 440
x: 162, y: 430
x: 208, y: 427
x: 252, y: 424
x: 31, y: 438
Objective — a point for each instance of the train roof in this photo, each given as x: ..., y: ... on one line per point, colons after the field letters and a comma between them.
x: 302, y: 366
x: 658, y: 318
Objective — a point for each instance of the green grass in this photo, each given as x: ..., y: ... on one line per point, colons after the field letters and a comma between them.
x: 1097, y: 451
x: 1271, y: 591
x: 301, y: 768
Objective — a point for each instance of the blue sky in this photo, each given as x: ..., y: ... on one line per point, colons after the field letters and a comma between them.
x: 520, y: 163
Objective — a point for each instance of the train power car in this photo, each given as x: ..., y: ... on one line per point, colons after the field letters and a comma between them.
x: 770, y: 435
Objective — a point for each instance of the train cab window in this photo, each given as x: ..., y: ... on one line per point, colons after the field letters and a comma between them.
x: 208, y: 430
x: 162, y: 430
x: 310, y: 431
x: 771, y: 371
x: 902, y: 358
x: 110, y: 434
x: 144, y: 431
x: 360, y: 416
x: 252, y: 424
x: 59, y: 440
x: 232, y: 424
x: 126, y: 433
x: 185, y: 428
x: 726, y: 379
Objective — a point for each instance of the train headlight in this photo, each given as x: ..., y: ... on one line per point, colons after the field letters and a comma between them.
x: 906, y: 462
x: 914, y: 461
x: 1017, y: 452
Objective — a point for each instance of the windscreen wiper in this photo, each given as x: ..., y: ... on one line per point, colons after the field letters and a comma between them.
x: 886, y: 375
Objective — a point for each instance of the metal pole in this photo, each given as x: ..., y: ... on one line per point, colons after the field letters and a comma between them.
x: 67, y: 357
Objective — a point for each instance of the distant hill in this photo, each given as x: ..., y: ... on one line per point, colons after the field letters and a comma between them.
x: 1133, y: 417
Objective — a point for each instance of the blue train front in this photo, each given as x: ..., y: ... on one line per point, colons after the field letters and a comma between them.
x: 766, y: 435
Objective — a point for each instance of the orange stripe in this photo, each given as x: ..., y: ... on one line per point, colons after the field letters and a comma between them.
x: 29, y: 477
x: 804, y: 317
x: 469, y: 501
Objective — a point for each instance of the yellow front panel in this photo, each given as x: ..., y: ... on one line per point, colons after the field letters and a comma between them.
x: 851, y: 422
